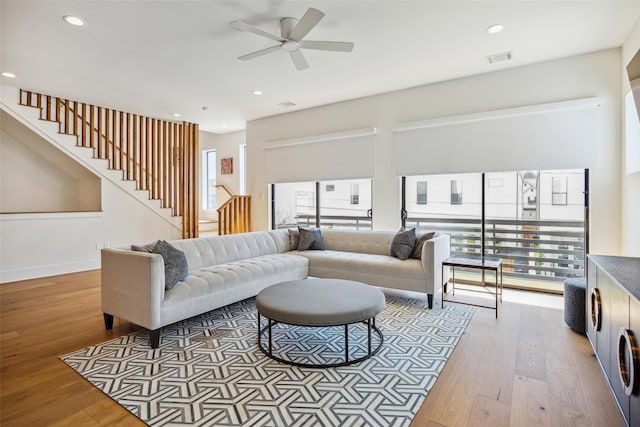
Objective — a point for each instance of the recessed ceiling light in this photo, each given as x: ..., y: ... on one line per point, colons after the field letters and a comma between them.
x: 74, y: 20
x: 177, y: 115
x: 257, y: 92
x: 223, y: 126
x: 494, y: 29
x: 8, y: 75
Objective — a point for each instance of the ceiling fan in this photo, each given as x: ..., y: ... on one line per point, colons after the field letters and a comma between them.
x: 291, y: 39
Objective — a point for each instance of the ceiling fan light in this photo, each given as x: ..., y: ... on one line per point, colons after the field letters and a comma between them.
x: 290, y: 46
x: 495, y: 29
x: 74, y: 20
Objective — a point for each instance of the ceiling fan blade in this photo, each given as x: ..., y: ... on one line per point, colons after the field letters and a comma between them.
x: 332, y: 46
x: 309, y: 20
x: 298, y: 60
x: 259, y: 53
x: 243, y: 26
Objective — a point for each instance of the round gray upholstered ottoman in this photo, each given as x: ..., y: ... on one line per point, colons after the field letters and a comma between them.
x: 320, y: 303
x: 575, y: 299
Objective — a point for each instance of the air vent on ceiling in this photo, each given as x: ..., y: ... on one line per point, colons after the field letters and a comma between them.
x: 500, y: 57
x: 287, y: 104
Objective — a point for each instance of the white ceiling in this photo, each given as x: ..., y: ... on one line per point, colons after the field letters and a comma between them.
x: 163, y: 57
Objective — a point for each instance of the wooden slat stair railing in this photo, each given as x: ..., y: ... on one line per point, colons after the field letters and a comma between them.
x: 234, y: 216
x: 159, y: 155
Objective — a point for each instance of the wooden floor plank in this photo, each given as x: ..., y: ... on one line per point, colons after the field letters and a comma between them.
x: 497, y: 376
x: 602, y: 408
x: 530, y: 402
x: 489, y: 412
x: 567, y: 403
x: 41, y: 319
x: 530, y: 352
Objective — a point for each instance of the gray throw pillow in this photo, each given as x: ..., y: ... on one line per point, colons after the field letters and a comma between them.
x: 420, y: 241
x: 294, y: 238
x: 144, y: 248
x: 402, y: 243
x: 175, y: 263
x: 310, y: 239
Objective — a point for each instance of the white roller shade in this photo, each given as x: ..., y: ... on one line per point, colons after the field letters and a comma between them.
x: 345, y: 155
x: 562, y: 135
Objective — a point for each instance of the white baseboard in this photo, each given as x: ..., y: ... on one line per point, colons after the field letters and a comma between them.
x: 35, y: 272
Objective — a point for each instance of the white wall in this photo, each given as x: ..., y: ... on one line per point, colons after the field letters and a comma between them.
x: 630, y: 216
x: 226, y: 145
x: 37, y: 245
x: 596, y: 74
x: 36, y: 177
x: 30, y: 183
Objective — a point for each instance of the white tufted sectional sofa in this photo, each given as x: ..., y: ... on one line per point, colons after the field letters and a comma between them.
x: 230, y: 268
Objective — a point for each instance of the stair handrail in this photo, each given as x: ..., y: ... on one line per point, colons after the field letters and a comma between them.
x: 226, y: 189
x: 234, y: 215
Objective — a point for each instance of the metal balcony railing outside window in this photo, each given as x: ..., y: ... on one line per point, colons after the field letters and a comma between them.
x: 332, y: 221
x: 530, y: 249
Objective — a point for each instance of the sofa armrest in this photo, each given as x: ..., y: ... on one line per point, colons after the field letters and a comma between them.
x: 434, y: 252
x: 133, y: 286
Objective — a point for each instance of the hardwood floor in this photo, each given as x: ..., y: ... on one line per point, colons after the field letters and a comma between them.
x: 524, y: 369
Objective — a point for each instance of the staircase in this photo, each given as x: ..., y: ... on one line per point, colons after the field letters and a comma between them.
x: 152, y: 159
x: 234, y: 216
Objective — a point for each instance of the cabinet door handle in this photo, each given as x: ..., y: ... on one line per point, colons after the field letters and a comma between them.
x: 627, y: 360
x: 596, y: 312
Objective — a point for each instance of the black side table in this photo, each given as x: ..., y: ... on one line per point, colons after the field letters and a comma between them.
x: 479, y: 263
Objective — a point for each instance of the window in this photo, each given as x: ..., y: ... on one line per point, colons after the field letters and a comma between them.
x: 421, y: 192
x: 209, y: 180
x: 326, y: 204
x: 456, y: 192
x: 532, y: 220
x: 305, y: 199
x: 559, y: 190
x: 355, y: 194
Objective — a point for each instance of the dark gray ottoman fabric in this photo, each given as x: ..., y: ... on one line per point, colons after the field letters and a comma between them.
x: 320, y: 302
x: 575, y: 299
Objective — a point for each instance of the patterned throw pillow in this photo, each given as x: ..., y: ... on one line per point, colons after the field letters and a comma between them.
x: 403, y: 243
x: 294, y: 238
x: 175, y: 263
x: 310, y: 239
x: 420, y: 241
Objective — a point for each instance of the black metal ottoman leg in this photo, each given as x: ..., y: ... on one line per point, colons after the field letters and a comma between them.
x: 346, y: 343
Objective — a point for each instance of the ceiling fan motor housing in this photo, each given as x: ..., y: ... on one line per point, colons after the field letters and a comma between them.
x: 286, y: 26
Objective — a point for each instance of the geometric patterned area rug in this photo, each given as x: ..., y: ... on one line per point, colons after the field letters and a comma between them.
x: 209, y: 370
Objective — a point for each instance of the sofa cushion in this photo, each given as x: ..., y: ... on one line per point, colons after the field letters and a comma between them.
x: 218, y: 285
x: 310, y: 239
x: 403, y: 243
x: 377, y: 270
x: 368, y: 242
x: 420, y: 241
x: 206, y: 251
x: 175, y: 263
